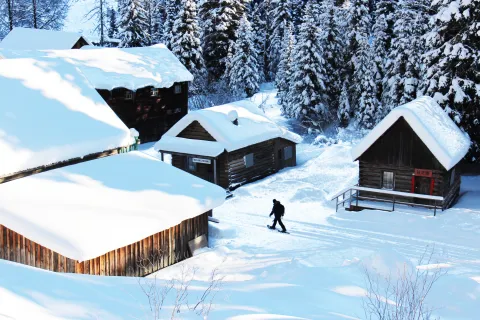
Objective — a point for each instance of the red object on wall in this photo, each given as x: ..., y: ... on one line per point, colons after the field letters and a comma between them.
x: 413, y: 184
x: 432, y: 185
x: 423, y: 173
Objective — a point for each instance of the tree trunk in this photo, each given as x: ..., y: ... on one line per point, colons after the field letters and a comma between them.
x: 34, y: 7
x: 10, y: 14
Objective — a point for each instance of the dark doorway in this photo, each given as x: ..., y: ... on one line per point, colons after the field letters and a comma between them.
x: 423, y: 186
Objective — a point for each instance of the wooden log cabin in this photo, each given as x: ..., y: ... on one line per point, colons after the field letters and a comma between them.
x: 229, y: 145
x: 415, y: 149
x: 41, y: 129
x: 40, y: 39
x: 126, y: 214
x: 146, y: 87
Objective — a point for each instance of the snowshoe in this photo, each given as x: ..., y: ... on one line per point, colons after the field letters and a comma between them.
x: 281, y: 231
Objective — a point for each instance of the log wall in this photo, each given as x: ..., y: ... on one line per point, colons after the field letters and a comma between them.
x: 136, y: 260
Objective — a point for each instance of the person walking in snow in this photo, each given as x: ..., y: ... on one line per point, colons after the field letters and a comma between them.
x: 278, y: 211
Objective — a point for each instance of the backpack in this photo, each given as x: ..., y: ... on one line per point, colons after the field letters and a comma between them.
x: 281, y: 210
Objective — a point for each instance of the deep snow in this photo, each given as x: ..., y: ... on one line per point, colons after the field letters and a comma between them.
x: 313, y: 273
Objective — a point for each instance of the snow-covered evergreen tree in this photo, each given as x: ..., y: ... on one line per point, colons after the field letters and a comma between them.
x: 133, y: 24
x: 112, y: 24
x: 308, y: 97
x: 152, y: 12
x: 453, y: 65
x: 332, y: 50
x: 403, y: 70
x: 284, y: 74
x: 171, y: 9
x: 243, y: 74
x: 221, y: 19
x: 344, y: 109
x: 186, y: 45
x: 281, y: 17
x: 256, y: 16
x: 382, y: 39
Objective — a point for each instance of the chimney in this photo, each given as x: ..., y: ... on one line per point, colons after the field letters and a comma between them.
x: 233, y: 117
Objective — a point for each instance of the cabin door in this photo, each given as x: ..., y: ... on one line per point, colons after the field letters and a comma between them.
x: 423, y: 185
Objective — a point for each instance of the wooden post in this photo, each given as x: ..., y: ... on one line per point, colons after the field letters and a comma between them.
x: 435, y: 209
x: 161, y: 155
x: 356, y: 198
x: 350, y: 200
x: 336, y: 204
x: 393, y: 207
x: 215, y: 171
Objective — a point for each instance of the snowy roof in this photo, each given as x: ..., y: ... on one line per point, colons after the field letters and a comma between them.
x: 432, y: 125
x: 50, y: 113
x: 86, y: 210
x: 40, y: 39
x: 109, y: 68
x: 253, y: 127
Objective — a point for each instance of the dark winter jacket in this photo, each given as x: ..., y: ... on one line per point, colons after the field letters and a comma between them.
x: 278, y: 209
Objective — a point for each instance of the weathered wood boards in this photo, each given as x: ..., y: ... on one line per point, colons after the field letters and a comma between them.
x: 138, y: 259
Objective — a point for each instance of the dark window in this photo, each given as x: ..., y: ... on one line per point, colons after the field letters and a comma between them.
x: 388, y: 181
x: 128, y: 95
x: 178, y: 110
x: 169, y: 111
x: 452, y: 177
x: 288, y: 152
x: 248, y: 159
x: 192, y: 166
x: 154, y: 92
x: 177, y: 89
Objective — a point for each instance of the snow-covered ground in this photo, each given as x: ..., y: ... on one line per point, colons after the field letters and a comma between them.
x: 316, y: 272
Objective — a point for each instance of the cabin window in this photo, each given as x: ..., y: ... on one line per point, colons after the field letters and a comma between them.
x: 169, y: 111
x: 388, y: 181
x: 452, y: 177
x: 192, y: 166
x: 128, y: 95
x: 177, y: 89
x: 248, y: 159
x: 178, y: 110
x: 288, y: 152
x: 154, y: 92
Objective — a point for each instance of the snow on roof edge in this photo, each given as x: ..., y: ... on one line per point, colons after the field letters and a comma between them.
x: 187, y: 146
x: 419, y: 125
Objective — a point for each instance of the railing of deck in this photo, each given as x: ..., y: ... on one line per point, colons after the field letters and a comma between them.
x: 354, y: 196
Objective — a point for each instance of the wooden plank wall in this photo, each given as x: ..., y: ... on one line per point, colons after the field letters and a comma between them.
x: 151, y: 116
x: 264, y: 163
x: 195, y: 131
x: 280, y: 163
x: 136, y: 260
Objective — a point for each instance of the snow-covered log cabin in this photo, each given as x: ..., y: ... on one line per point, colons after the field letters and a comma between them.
x: 51, y: 117
x: 40, y: 39
x: 146, y: 87
x: 416, y: 149
x: 127, y: 214
x: 229, y: 145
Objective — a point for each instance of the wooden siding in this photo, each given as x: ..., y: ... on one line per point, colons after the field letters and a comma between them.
x: 263, y: 164
x: 80, y: 43
x: 401, y: 151
x: 70, y: 162
x: 280, y: 163
x: 150, y: 116
x: 136, y: 260
x: 195, y: 131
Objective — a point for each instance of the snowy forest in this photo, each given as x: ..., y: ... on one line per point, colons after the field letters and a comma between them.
x: 335, y: 63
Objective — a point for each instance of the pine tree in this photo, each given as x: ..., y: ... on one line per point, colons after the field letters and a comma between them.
x: 171, y: 9
x: 152, y: 11
x: 186, y: 43
x: 344, y: 109
x: 308, y: 96
x: 332, y: 50
x: 382, y: 35
x: 453, y: 60
x: 281, y: 15
x: 256, y: 16
x: 403, y: 70
x: 133, y: 24
x: 221, y: 19
x: 112, y: 24
x: 284, y: 74
x: 243, y: 76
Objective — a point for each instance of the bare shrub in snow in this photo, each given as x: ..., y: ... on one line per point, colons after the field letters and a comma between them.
x: 177, y: 291
x: 402, y: 296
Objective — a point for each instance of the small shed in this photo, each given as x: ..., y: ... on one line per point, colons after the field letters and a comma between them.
x: 415, y: 149
x: 229, y: 145
x: 51, y: 116
x: 146, y: 87
x: 41, y: 39
x: 124, y: 215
